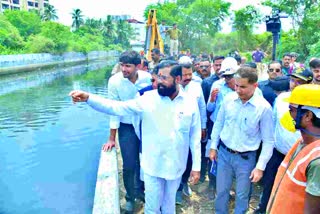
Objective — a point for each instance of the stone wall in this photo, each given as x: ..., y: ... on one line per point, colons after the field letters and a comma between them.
x: 28, y: 62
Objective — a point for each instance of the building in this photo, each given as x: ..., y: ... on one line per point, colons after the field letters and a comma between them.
x: 23, y: 4
x: 139, y: 28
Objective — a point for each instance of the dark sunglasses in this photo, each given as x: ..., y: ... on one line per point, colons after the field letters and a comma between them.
x: 274, y: 70
x: 152, y: 80
x: 204, y: 66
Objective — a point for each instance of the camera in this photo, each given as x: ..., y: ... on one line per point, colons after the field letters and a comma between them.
x: 273, y: 22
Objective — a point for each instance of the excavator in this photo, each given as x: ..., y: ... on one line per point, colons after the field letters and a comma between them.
x: 153, y: 38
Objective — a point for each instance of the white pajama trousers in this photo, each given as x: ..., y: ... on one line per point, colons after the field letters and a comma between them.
x: 160, y: 193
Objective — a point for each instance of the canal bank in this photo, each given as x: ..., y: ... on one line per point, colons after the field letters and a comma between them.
x: 10, y: 64
x: 50, y: 148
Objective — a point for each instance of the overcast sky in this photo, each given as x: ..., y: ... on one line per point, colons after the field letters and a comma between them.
x: 134, y: 8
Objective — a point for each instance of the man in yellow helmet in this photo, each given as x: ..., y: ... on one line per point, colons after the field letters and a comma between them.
x: 297, y: 185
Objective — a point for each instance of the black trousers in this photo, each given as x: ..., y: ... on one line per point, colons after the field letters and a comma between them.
x: 129, y: 145
x: 186, y: 174
x: 206, y: 162
x: 269, y: 176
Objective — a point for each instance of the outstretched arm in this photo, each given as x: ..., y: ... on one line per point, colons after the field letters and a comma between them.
x: 111, y: 107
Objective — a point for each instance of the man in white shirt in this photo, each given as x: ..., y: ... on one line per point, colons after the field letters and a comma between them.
x: 194, y: 90
x: 124, y: 86
x: 170, y: 126
x: 244, y: 119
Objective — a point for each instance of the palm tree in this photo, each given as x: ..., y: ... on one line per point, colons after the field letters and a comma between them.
x: 49, y: 13
x: 93, y: 23
x: 124, y: 33
x: 77, y: 18
x: 108, y: 27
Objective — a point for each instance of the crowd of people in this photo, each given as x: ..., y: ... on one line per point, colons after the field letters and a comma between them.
x: 182, y: 121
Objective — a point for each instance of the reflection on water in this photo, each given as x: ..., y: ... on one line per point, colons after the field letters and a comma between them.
x: 49, y: 147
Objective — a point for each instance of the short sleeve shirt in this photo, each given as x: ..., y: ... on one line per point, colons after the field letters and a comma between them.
x: 313, y: 178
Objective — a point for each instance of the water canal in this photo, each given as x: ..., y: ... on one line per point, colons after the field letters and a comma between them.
x: 49, y: 147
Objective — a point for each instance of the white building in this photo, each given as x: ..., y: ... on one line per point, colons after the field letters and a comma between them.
x: 23, y: 4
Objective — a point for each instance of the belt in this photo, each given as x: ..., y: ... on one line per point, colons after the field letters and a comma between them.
x: 232, y: 151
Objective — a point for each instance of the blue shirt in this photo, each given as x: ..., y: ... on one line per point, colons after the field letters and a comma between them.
x: 206, y: 85
x: 169, y: 129
x: 242, y: 126
x: 257, y: 56
x: 215, y: 106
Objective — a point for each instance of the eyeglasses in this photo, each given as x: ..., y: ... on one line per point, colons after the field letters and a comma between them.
x: 274, y: 70
x: 152, y: 80
x: 204, y: 66
x: 160, y: 77
x: 217, y: 65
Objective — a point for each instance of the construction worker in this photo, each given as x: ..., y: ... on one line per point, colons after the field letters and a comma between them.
x: 297, y: 188
x: 174, y: 33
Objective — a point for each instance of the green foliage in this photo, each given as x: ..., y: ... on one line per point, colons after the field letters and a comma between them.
x: 222, y: 44
x: 86, y: 42
x: 306, y: 21
x: 244, y: 21
x: 39, y: 44
x: 289, y: 43
x: 45, y: 36
x: 26, y: 22
x: 167, y: 11
x: 61, y: 36
x: 49, y: 14
x: 198, y: 20
x: 9, y: 35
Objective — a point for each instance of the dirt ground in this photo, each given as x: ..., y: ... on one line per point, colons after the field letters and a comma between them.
x: 201, y: 201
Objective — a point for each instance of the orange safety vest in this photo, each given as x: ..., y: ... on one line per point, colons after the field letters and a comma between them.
x: 288, y: 192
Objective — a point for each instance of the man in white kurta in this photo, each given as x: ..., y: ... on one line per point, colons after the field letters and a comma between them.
x: 170, y: 126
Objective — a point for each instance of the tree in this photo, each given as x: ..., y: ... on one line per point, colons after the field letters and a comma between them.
x: 93, y: 23
x: 124, y: 33
x: 77, y: 18
x: 196, y: 19
x: 49, y: 13
x: 39, y: 44
x: 244, y: 21
x: 9, y: 35
x: 305, y: 20
x: 26, y: 22
x: 61, y: 36
x: 108, y: 27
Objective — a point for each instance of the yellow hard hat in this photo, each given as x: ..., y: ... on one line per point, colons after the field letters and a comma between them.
x: 305, y: 95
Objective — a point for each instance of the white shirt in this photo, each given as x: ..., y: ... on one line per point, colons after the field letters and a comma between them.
x: 284, y: 139
x: 122, y: 89
x: 169, y: 128
x: 242, y: 126
x: 194, y: 89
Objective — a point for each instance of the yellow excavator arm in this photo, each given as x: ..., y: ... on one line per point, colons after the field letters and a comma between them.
x: 153, y: 38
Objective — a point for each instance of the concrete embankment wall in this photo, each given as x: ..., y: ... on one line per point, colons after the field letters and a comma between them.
x: 27, y: 62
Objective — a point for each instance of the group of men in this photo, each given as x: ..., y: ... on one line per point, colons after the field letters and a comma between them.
x: 188, y: 113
